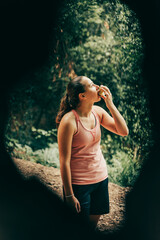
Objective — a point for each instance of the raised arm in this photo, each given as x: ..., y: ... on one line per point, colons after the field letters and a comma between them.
x: 116, y: 123
x: 65, y: 134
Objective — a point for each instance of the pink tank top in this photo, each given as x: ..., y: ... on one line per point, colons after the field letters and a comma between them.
x: 87, y: 162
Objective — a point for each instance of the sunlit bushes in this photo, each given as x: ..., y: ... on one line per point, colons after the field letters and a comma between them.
x: 122, y: 169
x: 48, y: 156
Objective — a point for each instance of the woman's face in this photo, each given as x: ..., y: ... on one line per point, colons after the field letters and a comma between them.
x: 91, y: 90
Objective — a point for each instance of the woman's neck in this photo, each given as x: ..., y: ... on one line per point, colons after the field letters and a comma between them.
x: 84, y: 110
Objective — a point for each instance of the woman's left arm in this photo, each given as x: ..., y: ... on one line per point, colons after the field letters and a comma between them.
x: 116, y: 123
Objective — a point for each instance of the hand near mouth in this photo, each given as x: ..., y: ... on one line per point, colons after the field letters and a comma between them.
x: 100, y: 92
x: 105, y: 93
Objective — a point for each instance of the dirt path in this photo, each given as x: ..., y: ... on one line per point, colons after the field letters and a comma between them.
x: 51, y: 178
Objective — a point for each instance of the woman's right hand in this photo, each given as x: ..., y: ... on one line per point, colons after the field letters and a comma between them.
x: 74, y: 203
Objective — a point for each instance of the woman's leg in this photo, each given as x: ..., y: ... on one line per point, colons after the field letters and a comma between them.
x: 99, y: 201
x: 94, y: 220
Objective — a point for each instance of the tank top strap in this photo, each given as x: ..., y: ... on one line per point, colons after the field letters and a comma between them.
x: 77, y: 119
x: 96, y: 116
x: 76, y: 115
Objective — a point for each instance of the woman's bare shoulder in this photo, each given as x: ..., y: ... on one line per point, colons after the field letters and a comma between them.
x: 98, y: 110
x: 68, y: 121
x: 69, y: 116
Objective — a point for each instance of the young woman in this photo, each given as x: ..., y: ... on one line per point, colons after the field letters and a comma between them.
x: 83, y: 167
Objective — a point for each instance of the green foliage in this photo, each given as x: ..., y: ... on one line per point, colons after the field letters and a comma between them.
x: 110, y: 51
x: 122, y: 170
x: 47, y: 157
x: 122, y: 163
x: 101, y: 40
x: 109, y: 147
x: 42, y: 138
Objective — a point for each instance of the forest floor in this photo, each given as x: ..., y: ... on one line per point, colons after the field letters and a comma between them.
x: 51, y: 178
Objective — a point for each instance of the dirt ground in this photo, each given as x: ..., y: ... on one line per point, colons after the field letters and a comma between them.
x: 51, y: 178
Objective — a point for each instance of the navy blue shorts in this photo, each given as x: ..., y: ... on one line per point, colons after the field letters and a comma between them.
x: 93, y: 198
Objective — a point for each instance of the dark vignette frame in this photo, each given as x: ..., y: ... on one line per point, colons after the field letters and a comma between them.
x: 25, y: 28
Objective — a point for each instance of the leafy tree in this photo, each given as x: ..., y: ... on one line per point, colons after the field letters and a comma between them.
x: 101, y: 40
x: 105, y: 44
